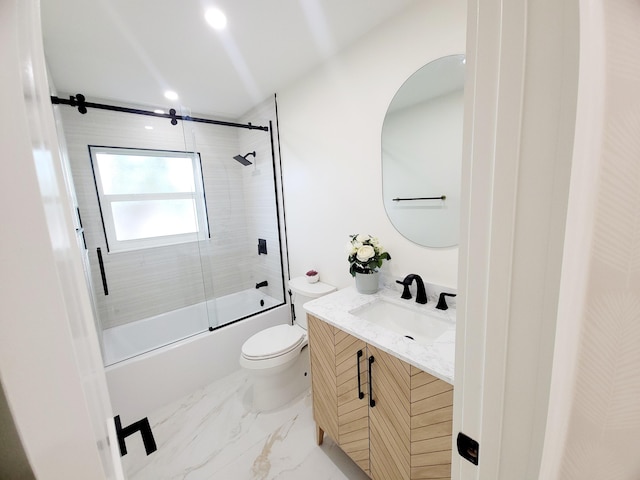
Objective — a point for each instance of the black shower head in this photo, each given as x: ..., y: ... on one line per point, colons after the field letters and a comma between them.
x: 243, y: 159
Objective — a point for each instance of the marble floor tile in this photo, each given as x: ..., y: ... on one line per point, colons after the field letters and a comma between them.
x: 213, y: 434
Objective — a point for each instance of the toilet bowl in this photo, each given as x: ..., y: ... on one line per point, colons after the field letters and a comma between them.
x: 277, y: 357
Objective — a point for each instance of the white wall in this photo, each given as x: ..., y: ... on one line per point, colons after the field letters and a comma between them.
x: 330, y: 129
x: 594, y: 419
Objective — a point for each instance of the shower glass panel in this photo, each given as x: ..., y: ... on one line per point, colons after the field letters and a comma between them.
x: 242, y: 212
x: 173, y: 224
x: 136, y: 200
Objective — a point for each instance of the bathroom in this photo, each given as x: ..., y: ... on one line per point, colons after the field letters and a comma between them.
x: 319, y: 132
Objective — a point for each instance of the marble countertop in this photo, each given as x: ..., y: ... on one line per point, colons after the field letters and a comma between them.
x: 437, y: 359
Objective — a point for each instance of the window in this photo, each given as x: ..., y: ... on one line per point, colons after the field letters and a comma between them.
x: 149, y: 198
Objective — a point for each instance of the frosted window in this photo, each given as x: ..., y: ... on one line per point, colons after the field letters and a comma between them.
x: 153, y: 218
x: 122, y: 174
x: 149, y: 198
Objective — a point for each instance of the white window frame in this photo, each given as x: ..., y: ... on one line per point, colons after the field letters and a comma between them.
x: 105, y: 201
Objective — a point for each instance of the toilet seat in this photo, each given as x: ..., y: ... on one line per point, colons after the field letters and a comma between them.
x: 273, y: 347
x: 272, y: 342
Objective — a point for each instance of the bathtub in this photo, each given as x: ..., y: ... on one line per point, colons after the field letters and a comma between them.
x: 139, y: 385
x: 126, y: 341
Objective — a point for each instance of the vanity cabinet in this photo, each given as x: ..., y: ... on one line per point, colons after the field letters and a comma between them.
x: 393, y: 419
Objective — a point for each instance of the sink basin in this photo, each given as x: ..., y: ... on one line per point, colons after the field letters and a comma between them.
x: 420, y: 326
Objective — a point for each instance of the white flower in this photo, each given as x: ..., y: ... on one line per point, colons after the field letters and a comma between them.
x: 356, y: 244
x: 374, y: 241
x: 351, y: 249
x: 362, y: 238
x: 365, y: 253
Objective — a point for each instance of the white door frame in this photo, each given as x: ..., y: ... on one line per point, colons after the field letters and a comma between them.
x: 520, y: 110
x: 50, y: 362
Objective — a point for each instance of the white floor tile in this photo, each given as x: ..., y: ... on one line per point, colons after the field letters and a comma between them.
x: 212, y: 434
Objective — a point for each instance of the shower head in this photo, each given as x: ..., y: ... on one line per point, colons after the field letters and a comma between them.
x: 243, y: 158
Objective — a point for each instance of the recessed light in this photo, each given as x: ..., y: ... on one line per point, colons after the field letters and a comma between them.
x: 148, y: 127
x: 161, y: 112
x: 216, y: 18
x: 170, y: 95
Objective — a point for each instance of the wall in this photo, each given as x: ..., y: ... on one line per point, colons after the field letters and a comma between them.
x: 146, y: 282
x: 595, y: 420
x: 331, y: 123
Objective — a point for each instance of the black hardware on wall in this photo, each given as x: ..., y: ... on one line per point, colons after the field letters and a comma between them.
x: 262, y: 246
x: 372, y: 402
x: 358, y: 357
x: 262, y: 284
x: 441, y: 197
x: 79, y: 101
x: 80, y: 229
x: 102, y: 273
x: 141, y: 426
x: 468, y: 448
x: 293, y: 308
x: 174, y: 119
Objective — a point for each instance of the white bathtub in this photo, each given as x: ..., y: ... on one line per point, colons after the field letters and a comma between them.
x: 125, y: 341
x: 141, y: 384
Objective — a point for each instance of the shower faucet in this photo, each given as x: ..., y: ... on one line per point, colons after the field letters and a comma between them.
x: 262, y: 284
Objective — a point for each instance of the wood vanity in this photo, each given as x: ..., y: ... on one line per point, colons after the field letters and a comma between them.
x: 392, y: 418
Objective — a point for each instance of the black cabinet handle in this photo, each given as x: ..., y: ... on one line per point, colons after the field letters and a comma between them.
x: 102, y: 272
x: 372, y: 402
x: 360, y: 392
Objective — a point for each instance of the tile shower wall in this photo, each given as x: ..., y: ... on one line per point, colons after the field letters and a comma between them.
x: 146, y: 282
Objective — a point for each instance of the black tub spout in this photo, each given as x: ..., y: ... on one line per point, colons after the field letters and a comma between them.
x: 262, y: 284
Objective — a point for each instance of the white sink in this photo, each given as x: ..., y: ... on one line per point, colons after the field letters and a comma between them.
x: 410, y: 322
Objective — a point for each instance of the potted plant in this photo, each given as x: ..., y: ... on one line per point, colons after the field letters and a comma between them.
x: 365, y: 258
x: 312, y: 276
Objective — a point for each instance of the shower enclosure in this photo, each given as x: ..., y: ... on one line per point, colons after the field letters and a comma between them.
x: 180, y: 224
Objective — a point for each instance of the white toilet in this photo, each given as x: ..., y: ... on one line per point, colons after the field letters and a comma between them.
x: 277, y: 357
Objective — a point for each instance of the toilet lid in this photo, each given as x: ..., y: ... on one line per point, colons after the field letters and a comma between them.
x: 273, y: 342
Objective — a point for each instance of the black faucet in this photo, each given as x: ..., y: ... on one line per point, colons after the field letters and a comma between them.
x: 442, y: 302
x: 262, y: 284
x: 421, y: 294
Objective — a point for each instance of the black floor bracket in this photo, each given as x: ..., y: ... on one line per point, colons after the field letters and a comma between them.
x: 141, y: 426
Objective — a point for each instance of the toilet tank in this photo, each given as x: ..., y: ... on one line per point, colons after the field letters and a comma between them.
x: 303, y: 292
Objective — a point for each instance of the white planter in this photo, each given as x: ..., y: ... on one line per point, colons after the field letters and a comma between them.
x: 367, y: 282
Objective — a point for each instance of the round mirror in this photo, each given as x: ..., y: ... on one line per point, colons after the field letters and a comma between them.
x: 422, y: 152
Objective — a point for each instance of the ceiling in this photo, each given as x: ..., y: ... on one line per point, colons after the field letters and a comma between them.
x: 132, y: 51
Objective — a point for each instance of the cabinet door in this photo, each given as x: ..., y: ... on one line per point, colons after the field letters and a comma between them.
x: 323, y: 377
x: 389, y: 416
x: 339, y: 387
x: 431, y: 426
x: 410, y: 423
x: 352, y: 388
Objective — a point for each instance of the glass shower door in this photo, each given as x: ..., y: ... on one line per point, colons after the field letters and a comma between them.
x: 136, y: 186
x: 241, y: 258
